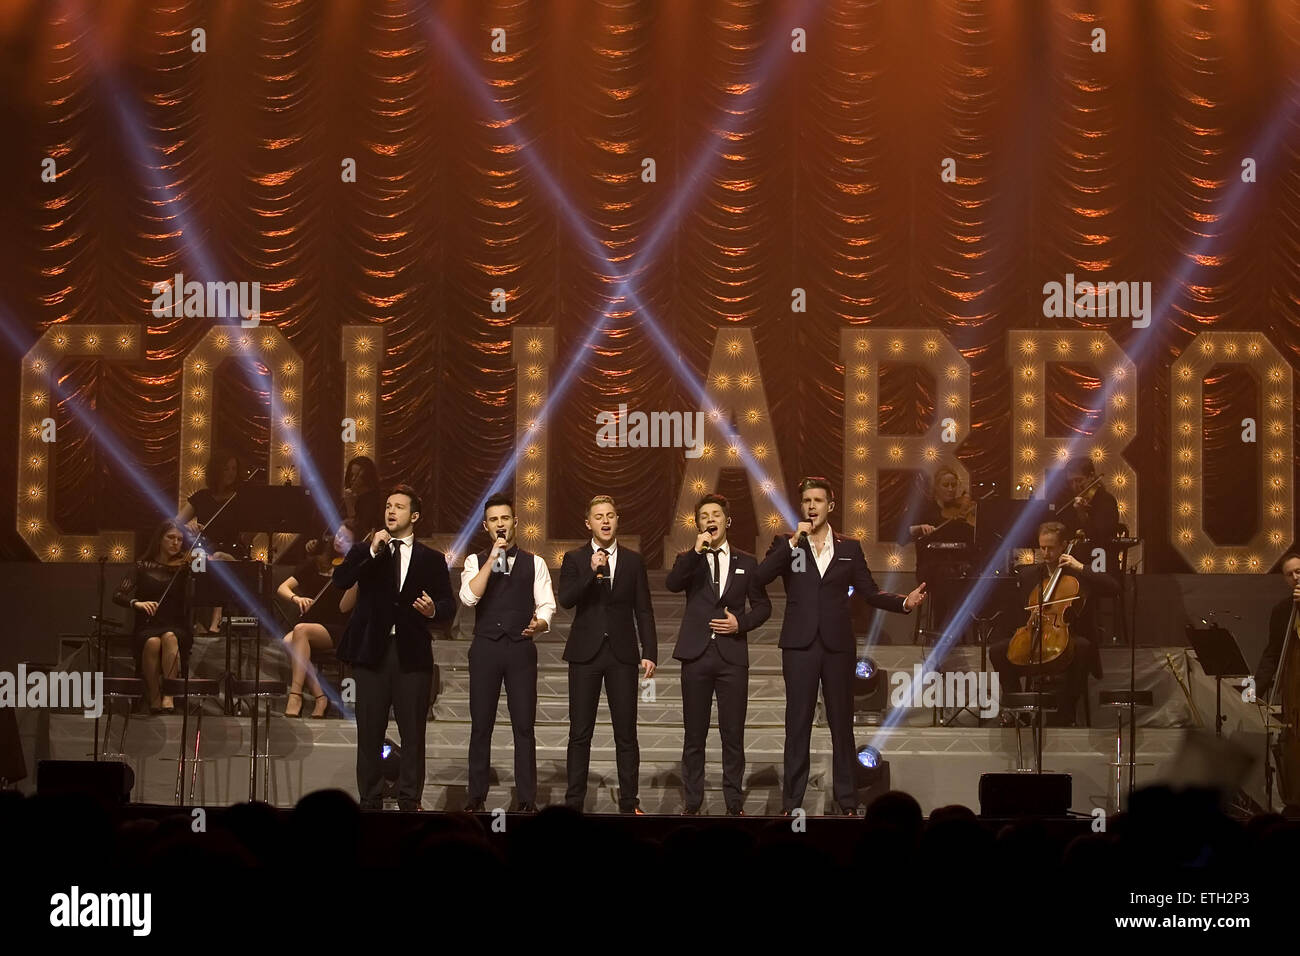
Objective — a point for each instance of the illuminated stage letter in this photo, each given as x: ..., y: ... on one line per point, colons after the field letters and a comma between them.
x: 59, y: 344
x: 1276, y: 449
x: 867, y: 452
x: 269, y: 347
x: 1028, y: 352
x: 363, y: 348
x: 733, y: 395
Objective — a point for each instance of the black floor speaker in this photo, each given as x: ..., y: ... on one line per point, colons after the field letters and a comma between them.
x: 109, y: 781
x: 1017, y: 794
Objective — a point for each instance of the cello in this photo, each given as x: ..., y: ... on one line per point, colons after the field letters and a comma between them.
x: 1044, y: 644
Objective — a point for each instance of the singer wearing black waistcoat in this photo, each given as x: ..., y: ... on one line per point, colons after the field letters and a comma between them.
x: 510, y: 591
x: 817, y: 643
x: 718, y: 581
x: 609, y: 587
x: 403, y: 588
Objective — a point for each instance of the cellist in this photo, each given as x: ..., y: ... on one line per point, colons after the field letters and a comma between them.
x: 1086, y: 657
x: 1277, y: 621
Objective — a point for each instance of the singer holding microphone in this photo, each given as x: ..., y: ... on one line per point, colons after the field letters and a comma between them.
x: 817, y: 643
x: 609, y: 587
x: 510, y: 590
x: 711, y: 645
x: 402, y: 588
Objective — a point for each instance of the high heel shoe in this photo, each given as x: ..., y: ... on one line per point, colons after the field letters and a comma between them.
x: 318, y: 712
x: 292, y: 695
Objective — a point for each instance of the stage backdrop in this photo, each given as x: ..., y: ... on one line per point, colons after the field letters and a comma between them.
x: 859, y: 236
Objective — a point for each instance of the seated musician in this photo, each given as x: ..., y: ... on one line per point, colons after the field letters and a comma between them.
x: 1277, y: 621
x: 156, y: 591
x: 205, y: 511
x: 1086, y: 656
x: 1092, y: 510
x: 322, y: 616
x: 363, y: 497
x: 943, y: 518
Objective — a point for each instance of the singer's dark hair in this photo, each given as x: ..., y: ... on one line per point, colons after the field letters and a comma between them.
x: 1289, y: 556
x: 217, y: 461
x: 409, y: 492
x: 816, y: 481
x: 712, y: 498
x: 496, y: 501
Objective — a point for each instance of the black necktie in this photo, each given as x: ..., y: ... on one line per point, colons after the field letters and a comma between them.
x: 605, y: 577
x: 717, y: 585
x: 397, y: 565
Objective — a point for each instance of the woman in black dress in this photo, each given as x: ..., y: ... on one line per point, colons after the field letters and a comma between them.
x: 221, y: 537
x: 155, y: 590
x: 323, y: 614
x: 363, y: 499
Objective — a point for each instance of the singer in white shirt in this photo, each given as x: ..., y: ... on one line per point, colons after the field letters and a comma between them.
x: 510, y: 590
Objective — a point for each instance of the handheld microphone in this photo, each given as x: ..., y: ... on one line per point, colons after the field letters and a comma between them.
x: 501, y: 565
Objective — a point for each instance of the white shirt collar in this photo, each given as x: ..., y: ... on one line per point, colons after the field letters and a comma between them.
x: 725, y: 548
x: 613, y: 546
x: 407, y: 540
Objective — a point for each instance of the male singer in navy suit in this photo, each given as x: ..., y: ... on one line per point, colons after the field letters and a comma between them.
x: 403, y: 587
x: 609, y: 587
x: 510, y: 591
x: 718, y: 580
x: 817, y: 644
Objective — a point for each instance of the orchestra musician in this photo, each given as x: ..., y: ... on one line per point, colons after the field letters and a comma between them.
x: 363, y: 498
x: 1092, y: 509
x: 156, y: 591
x: 945, y: 517
x: 203, y: 512
x: 1266, y: 672
x: 1086, y: 656
x: 322, y: 615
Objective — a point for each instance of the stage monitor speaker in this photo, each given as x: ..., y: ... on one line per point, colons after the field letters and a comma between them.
x: 109, y: 782
x: 1015, y: 794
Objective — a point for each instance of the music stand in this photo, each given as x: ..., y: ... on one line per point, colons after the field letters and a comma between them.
x: 1219, y: 657
x: 996, y: 519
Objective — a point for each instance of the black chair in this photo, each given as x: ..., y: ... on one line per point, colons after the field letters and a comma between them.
x: 253, y: 691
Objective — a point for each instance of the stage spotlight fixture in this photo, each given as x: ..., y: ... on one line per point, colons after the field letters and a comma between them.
x: 870, y: 774
x: 870, y: 691
x: 390, y: 761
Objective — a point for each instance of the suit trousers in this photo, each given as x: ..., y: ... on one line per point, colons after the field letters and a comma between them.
x: 804, y: 668
x: 492, y: 663
x: 620, y: 681
x: 407, y: 693
x: 701, y: 678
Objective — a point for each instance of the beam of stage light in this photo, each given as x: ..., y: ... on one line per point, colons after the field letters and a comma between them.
x: 624, y: 290
x: 1140, y: 346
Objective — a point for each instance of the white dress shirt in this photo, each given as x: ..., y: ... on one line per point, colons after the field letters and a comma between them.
x: 613, y: 558
x: 724, y: 565
x: 543, y: 596
x: 823, y: 557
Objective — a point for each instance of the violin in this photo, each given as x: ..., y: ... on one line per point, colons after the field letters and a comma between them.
x: 1043, y: 642
x: 1083, y: 500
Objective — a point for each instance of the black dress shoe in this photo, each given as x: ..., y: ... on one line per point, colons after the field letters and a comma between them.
x: 527, y: 808
x: 690, y: 811
x: 735, y: 812
x: 634, y: 810
x: 408, y: 807
x: 475, y: 806
x: 846, y: 811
